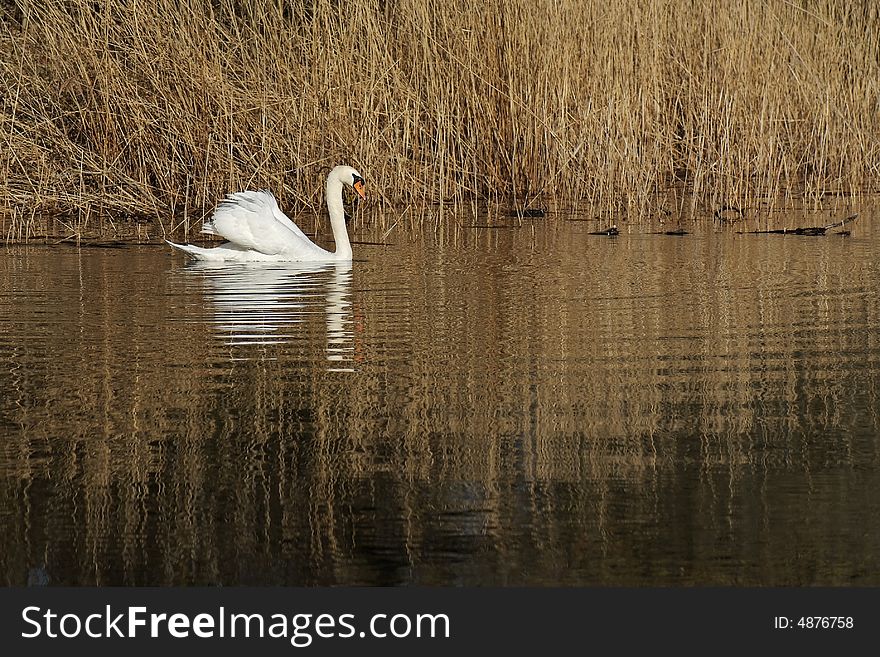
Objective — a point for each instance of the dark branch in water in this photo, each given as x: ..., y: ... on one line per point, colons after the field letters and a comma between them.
x: 810, y: 230
x: 675, y: 231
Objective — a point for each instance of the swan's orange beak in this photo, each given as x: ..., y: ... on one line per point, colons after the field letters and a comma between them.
x: 359, y: 188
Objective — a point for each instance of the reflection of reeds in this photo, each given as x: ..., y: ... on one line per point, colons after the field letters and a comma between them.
x: 158, y: 108
x: 494, y: 430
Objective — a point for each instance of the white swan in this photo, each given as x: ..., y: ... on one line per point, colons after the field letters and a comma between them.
x: 257, y: 229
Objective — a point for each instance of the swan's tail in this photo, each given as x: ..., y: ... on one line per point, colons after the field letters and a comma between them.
x: 198, y: 252
x: 226, y: 252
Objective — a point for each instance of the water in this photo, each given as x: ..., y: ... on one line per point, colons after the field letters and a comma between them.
x: 521, y: 405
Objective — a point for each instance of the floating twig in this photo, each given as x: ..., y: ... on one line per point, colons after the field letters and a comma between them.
x: 676, y: 231
x: 808, y: 230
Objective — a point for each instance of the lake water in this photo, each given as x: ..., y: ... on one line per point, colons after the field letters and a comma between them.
x: 519, y: 405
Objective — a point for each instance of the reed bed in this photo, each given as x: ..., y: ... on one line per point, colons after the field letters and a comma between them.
x: 157, y: 109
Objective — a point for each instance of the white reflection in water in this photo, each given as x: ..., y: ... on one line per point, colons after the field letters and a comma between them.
x: 271, y: 303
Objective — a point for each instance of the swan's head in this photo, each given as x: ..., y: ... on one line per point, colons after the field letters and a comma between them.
x: 350, y: 177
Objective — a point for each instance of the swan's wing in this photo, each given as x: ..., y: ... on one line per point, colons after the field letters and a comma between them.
x: 253, y: 220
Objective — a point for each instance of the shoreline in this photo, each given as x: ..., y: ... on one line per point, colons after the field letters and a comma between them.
x: 370, y: 226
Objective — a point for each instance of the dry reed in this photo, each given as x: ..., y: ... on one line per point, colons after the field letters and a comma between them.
x: 159, y: 108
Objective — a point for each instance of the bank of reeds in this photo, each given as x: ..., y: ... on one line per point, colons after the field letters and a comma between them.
x: 158, y: 108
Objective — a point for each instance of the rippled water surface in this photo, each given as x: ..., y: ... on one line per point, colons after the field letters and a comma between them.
x: 519, y: 405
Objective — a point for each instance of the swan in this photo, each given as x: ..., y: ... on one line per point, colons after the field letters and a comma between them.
x: 257, y: 229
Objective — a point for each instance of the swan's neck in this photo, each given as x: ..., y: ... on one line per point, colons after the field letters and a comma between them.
x: 337, y: 219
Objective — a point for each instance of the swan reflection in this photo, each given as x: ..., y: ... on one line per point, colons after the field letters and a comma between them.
x: 270, y: 303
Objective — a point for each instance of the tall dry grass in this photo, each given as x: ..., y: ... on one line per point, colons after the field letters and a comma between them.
x: 159, y: 108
